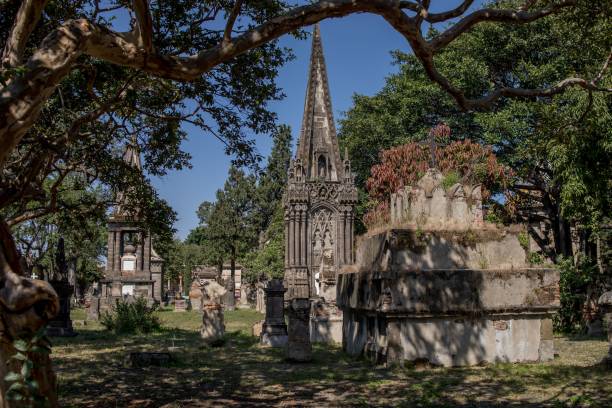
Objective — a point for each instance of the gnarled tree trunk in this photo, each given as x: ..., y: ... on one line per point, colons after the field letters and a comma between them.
x: 26, y: 305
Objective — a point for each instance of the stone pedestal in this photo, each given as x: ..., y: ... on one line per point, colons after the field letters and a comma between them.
x: 605, y: 303
x: 61, y: 325
x: 274, y: 329
x: 180, y: 305
x: 213, y: 327
x: 299, y: 348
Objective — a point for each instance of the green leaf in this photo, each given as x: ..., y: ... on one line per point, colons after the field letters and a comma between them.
x: 26, y: 369
x: 19, y: 356
x: 21, y: 345
x: 12, y: 377
x: 15, y: 387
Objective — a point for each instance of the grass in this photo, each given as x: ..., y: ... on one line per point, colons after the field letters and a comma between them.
x: 92, y: 373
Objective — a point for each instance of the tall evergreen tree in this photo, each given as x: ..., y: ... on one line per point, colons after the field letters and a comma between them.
x: 274, y: 178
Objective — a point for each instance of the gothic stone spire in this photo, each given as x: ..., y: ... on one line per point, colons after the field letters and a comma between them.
x: 318, y: 145
x: 131, y: 156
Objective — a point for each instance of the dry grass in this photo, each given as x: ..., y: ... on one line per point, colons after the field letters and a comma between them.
x: 92, y: 373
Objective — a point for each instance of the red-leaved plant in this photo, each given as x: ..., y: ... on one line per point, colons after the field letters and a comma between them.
x: 405, y: 164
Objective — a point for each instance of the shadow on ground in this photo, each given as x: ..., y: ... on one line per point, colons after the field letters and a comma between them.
x: 92, y: 373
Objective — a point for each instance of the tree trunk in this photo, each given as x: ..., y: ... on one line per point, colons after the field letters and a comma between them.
x: 26, y: 306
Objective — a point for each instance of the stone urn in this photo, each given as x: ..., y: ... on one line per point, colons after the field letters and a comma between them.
x: 605, y: 303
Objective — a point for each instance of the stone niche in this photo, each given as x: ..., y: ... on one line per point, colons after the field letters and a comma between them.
x: 446, y: 287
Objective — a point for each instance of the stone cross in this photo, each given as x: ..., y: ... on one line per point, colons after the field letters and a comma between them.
x: 433, y: 147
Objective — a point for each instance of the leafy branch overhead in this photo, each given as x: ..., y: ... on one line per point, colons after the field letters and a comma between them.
x: 149, y: 48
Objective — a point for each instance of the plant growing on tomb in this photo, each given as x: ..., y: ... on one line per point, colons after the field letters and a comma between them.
x: 461, y: 161
x: 23, y: 388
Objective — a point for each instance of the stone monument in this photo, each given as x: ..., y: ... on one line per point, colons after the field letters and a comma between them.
x: 299, y: 347
x: 213, y: 326
x: 61, y: 325
x: 133, y: 268
x: 443, y: 286
x: 274, y: 329
x: 199, y: 276
x: 319, y: 208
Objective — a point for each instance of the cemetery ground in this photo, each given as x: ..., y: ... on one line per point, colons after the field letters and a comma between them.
x: 92, y: 372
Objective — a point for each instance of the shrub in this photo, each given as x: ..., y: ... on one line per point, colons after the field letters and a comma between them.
x: 580, y: 285
x: 131, y: 317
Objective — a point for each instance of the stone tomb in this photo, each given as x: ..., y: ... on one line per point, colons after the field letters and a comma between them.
x: 446, y: 287
x: 274, y: 328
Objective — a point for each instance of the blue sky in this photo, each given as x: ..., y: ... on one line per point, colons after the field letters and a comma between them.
x: 357, y: 51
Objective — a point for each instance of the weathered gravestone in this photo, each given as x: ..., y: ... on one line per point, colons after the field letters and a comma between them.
x: 213, y: 326
x: 229, y: 300
x: 180, y: 305
x: 274, y: 329
x: 446, y: 287
x: 605, y: 303
x: 299, y: 347
x: 260, y: 303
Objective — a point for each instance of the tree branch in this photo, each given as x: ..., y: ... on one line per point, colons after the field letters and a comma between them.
x: 447, y: 15
x: 26, y: 20
x: 144, y: 25
x: 493, y: 15
x: 227, y: 34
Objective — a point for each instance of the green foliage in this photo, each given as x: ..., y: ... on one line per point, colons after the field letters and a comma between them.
x: 272, y: 182
x: 269, y: 260
x: 247, y: 212
x: 535, y: 258
x: 523, y: 238
x: 450, y: 179
x: 559, y: 146
x: 23, y: 388
x: 580, y: 285
x: 131, y: 317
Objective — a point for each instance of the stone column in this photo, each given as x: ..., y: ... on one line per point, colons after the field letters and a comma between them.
x: 286, y: 239
x: 605, y: 303
x: 347, y: 237
x: 291, y: 237
x: 110, y: 257
x: 146, y: 253
x: 299, y: 348
x: 117, y: 253
x: 304, y: 237
x: 341, y: 237
x: 274, y: 330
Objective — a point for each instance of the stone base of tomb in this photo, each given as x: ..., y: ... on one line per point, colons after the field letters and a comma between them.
x: 450, y: 317
x: 213, y: 326
x: 273, y: 335
x: 404, y: 301
x: 61, y: 325
x: 299, y: 347
x: 325, y: 323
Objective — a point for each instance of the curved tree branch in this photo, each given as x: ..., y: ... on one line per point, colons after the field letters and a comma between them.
x: 26, y: 20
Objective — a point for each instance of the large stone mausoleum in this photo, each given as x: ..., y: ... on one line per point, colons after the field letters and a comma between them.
x: 319, y: 207
x: 133, y: 268
x: 440, y: 285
